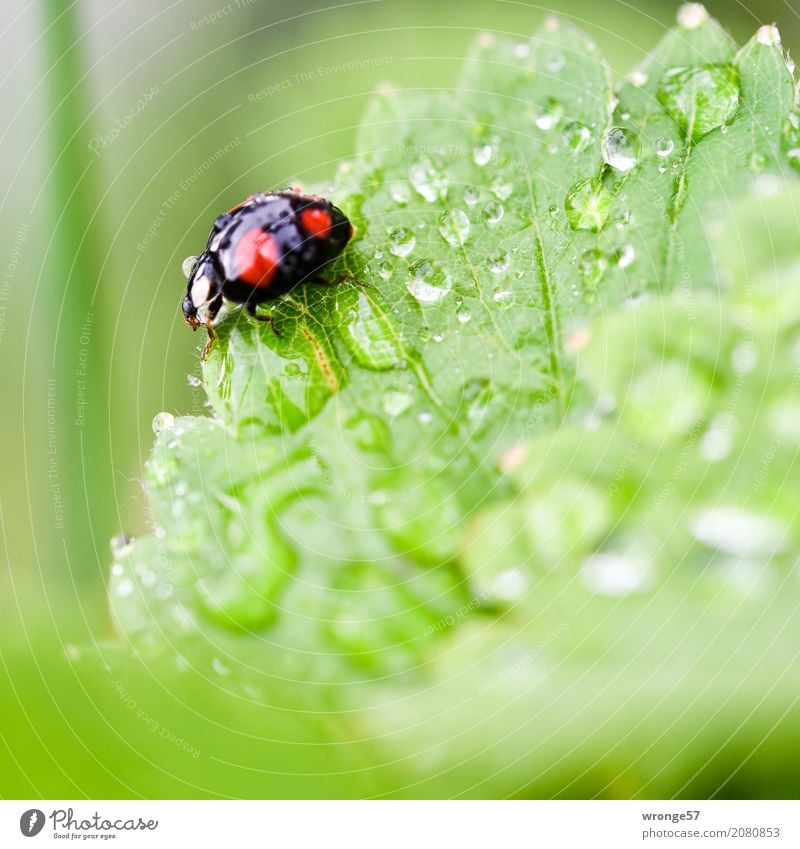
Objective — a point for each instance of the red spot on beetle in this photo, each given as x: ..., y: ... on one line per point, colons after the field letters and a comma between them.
x: 316, y: 222
x: 257, y: 257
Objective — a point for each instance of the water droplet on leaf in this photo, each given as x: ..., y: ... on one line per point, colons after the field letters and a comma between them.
x: 692, y: 15
x: 395, y: 403
x: 700, y: 98
x: 664, y: 147
x: 588, y: 205
x: 493, y: 212
x: 428, y: 281
x: 497, y: 261
x: 482, y: 154
x: 401, y: 241
x: 454, y: 227
x: 620, y: 148
x: 163, y: 421
x: 577, y: 137
x: 121, y: 545
x: 549, y: 114
x: 427, y: 181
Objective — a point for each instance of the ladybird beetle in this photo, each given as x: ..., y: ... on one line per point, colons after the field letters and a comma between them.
x: 259, y: 250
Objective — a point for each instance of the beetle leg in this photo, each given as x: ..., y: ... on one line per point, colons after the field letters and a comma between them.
x: 340, y: 278
x: 212, y: 337
x: 251, y: 309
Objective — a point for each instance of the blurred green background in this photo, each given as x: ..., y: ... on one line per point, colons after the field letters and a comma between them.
x: 127, y: 129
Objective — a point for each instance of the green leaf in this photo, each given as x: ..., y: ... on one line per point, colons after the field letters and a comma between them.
x: 361, y: 488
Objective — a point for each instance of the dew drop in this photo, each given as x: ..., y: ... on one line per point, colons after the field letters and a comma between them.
x: 638, y: 77
x: 614, y: 574
x: 124, y: 588
x: 401, y: 241
x: 620, y: 148
x: 626, y: 255
x: 664, y: 147
x: 497, y: 261
x: 464, y: 316
x: 471, y: 195
x: 493, y: 212
x: 744, y: 358
x: 400, y: 193
x: 593, y: 264
x: 549, y: 115
x: 482, y: 154
x: 219, y: 667
x: 426, y: 181
x: 163, y: 421
x: 692, y: 15
x: 554, y: 62
x: 700, y: 98
x: 769, y: 36
x: 188, y: 266
x: 738, y: 532
x: 577, y: 137
x: 425, y: 418
x: 395, y: 403
x: 121, y: 545
x: 504, y: 297
x: 428, y: 281
x: 588, y: 205
x: 502, y: 188
x: 454, y: 227
x: 521, y: 50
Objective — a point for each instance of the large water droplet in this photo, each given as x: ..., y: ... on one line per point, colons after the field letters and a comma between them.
x: 588, y: 205
x: 163, y: 421
x: 620, y: 148
x: 454, y: 227
x: 577, y: 136
x: 188, y: 266
x: 401, y: 241
x: 428, y: 281
x: 700, y: 98
x: 369, y: 337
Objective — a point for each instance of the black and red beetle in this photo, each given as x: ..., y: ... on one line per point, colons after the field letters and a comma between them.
x: 260, y: 250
